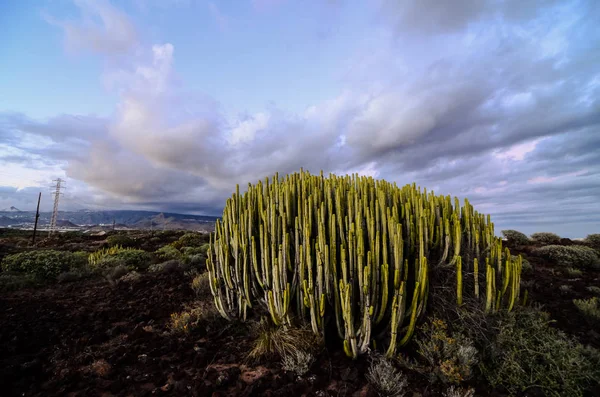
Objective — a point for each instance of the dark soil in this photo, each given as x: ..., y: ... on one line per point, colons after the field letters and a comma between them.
x: 93, y: 339
x: 89, y: 338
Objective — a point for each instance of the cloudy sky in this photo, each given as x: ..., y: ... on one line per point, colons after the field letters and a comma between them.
x: 167, y: 104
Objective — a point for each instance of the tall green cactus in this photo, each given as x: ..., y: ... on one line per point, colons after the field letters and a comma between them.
x: 310, y: 249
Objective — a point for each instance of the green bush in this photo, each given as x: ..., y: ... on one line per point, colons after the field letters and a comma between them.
x: 43, y: 264
x: 189, y: 240
x: 529, y: 354
x: 167, y: 253
x: 571, y: 256
x: 515, y: 237
x: 121, y: 240
x: 189, y: 251
x: 593, y: 240
x: 131, y: 259
x: 10, y: 281
x: 546, y: 238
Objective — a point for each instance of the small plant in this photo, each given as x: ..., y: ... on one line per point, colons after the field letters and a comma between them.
x: 181, y: 322
x: 200, y: 285
x: 298, y: 362
x: 515, y: 237
x: 545, y: 238
x: 386, y: 379
x: 589, y: 307
x: 193, y: 316
x: 449, y: 358
x: 278, y: 341
x: 572, y: 256
x: 572, y: 272
x: 565, y: 289
x: 593, y: 289
x: 167, y: 253
x: 455, y: 391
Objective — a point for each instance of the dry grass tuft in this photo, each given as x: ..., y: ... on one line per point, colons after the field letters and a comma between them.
x: 272, y: 342
x: 385, y: 378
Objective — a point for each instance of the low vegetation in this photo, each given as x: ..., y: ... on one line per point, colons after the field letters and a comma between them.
x: 545, y: 238
x: 527, y: 354
x: 44, y: 264
x: 589, y: 308
x: 570, y: 256
x: 515, y: 237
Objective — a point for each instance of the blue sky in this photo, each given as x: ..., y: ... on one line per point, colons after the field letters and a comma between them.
x: 167, y: 104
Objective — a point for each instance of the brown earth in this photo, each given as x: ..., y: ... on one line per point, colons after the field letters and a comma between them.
x: 89, y: 338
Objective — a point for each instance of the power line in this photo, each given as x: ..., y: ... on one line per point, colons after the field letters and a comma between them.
x: 57, y: 194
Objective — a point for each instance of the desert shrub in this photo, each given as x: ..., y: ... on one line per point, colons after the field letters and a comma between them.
x: 130, y: 258
x: 75, y: 274
x: 545, y: 238
x: 114, y: 273
x: 385, y: 378
x: 131, y: 277
x: 200, y: 285
x: 588, y: 307
x: 195, y: 261
x: 167, y: 253
x: 593, y: 240
x: 449, y: 358
x: 166, y: 267
x: 455, y: 391
x: 10, y: 281
x: 189, y: 251
x: 120, y: 240
x: 189, y: 240
x: 573, y: 256
x: 298, y: 362
x: 529, y: 354
x: 572, y: 272
x: 565, y: 289
x: 43, y: 264
x: 515, y: 237
x: 192, y: 316
x: 593, y: 289
x: 275, y: 342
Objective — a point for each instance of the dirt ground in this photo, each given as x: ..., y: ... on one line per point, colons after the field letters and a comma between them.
x: 88, y: 338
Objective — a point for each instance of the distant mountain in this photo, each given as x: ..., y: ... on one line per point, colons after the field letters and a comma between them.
x: 11, y: 209
x: 88, y: 218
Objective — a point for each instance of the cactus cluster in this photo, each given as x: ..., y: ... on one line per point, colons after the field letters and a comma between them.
x: 352, y: 252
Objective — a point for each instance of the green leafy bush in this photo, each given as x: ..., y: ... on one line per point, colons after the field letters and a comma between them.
x: 593, y: 240
x: 546, y: 238
x: 572, y: 256
x: 593, y: 289
x: 189, y: 251
x: 43, y: 264
x: 515, y: 237
x: 131, y: 259
x: 529, y: 354
x: 167, y: 253
x: 121, y: 240
x: 572, y: 272
x: 189, y: 240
